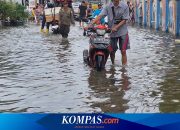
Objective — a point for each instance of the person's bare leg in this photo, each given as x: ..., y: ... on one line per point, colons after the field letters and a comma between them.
x: 112, y: 55
x: 124, y: 57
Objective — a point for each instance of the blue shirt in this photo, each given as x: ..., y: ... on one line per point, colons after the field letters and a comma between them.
x: 96, y: 13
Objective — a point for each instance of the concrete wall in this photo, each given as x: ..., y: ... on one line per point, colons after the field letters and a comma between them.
x: 160, y: 14
x: 178, y: 18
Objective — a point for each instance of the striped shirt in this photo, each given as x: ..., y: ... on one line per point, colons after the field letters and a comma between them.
x: 121, y: 11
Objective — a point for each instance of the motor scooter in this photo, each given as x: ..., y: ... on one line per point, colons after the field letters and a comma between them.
x: 55, y: 27
x: 99, y: 47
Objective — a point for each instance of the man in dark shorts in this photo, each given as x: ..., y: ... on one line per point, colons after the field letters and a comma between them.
x: 82, y: 13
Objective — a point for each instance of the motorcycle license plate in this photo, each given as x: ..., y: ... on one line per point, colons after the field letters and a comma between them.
x: 102, y: 40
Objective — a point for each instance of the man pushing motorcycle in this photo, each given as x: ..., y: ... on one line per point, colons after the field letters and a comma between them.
x: 117, y: 13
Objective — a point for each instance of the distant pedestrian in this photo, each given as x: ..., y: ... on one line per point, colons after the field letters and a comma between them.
x: 38, y: 12
x: 48, y: 5
x: 128, y: 3
x: 97, y: 12
x: 140, y: 13
x: 65, y: 20
x: 129, y: 6
x: 89, y: 11
x: 132, y: 14
x: 34, y: 14
x: 82, y: 13
x: 43, y: 22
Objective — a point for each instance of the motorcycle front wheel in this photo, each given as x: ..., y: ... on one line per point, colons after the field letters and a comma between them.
x: 99, y: 62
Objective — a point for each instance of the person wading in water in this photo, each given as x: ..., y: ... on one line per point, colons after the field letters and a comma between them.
x: 65, y: 20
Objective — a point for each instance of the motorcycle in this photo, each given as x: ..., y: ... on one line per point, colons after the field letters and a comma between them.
x: 55, y: 27
x: 99, y: 47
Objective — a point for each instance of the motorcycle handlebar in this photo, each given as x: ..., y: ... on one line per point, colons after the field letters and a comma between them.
x: 108, y: 30
x: 92, y: 27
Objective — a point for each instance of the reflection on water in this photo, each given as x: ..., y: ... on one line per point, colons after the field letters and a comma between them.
x: 39, y: 73
x: 108, y: 87
x: 171, y: 84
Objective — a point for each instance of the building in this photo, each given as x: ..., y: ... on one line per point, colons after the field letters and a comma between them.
x: 159, y: 14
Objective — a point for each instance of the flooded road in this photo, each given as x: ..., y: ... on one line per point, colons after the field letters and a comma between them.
x: 38, y: 73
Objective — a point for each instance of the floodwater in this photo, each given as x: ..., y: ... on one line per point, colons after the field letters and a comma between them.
x: 39, y: 73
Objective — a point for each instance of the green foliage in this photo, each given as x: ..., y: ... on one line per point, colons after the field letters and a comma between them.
x: 12, y: 10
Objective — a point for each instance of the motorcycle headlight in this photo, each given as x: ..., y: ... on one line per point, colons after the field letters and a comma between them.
x: 100, y: 32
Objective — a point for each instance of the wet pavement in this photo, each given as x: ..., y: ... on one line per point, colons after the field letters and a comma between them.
x: 39, y: 73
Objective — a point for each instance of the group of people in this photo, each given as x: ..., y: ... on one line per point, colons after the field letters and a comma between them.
x: 66, y: 17
x: 86, y: 11
x: 67, y: 14
x: 38, y: 14
x: 117, y: 13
